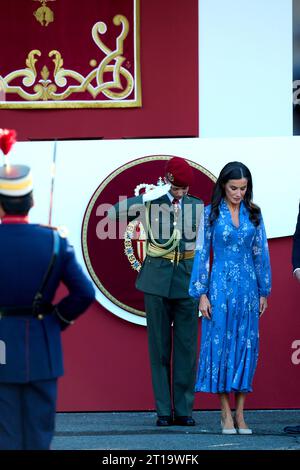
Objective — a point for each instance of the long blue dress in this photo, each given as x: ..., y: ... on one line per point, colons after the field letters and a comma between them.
x: 240, y: 274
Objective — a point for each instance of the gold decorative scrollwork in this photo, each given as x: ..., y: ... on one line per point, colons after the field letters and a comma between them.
x: 48, y: 88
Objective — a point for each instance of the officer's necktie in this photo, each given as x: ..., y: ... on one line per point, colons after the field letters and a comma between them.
x: 175, y: 203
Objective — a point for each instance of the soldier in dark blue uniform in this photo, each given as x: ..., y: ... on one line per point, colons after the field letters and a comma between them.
x: 34, y: 260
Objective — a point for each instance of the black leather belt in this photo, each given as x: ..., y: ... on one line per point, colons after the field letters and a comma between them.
x: 26, y: 311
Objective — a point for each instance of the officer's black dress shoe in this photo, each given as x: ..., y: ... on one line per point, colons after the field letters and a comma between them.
x: 184, y: 421
x: 292, y: 429
x: 164, y: 421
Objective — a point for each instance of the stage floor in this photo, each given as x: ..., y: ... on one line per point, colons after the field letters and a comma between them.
x: 137, y: 431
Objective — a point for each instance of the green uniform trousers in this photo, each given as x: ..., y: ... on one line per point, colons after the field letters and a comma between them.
x: 172, y: 326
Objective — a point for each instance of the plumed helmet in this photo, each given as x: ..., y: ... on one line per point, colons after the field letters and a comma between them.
x: 15, y: 180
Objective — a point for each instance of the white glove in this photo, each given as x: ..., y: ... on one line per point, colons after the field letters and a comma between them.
x: 156, y: 193
x: 297, y: 274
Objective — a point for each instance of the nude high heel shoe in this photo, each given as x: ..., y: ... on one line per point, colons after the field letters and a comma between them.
x: 227, y: 430
x: 242, y: 430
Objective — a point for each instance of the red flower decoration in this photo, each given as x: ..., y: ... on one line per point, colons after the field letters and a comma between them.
x: 7, y: 139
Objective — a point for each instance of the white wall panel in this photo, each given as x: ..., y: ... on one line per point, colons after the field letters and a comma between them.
x: 82, y: 165
x: 245, y: 68
x: 274, y: 163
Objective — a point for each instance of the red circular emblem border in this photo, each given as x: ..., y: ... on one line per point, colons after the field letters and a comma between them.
x: 88, y: 254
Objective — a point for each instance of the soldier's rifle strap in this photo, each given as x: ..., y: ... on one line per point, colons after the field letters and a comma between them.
x: 38, y: 298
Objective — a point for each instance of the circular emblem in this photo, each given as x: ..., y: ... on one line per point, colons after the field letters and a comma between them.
x: 114, y: 249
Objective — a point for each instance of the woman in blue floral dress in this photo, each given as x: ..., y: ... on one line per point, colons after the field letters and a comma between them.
x: 233, y: 294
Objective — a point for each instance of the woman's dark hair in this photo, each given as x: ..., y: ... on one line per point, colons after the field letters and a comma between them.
x: 19, y: 205
x: 234, y: 171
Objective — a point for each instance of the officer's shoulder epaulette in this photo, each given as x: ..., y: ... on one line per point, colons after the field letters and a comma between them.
x: 62, y: 231
x: 191, y: 196
x: 50, y: 227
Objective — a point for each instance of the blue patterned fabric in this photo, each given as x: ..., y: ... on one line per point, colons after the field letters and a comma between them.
x: 240, y: 274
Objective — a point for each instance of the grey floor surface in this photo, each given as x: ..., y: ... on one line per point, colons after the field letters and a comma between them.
x: 137, y: 431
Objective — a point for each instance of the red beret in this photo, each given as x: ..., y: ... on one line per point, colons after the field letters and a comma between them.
x: 179, y: 172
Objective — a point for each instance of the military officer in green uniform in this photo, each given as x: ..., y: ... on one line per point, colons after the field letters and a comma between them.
x: 170, y: 217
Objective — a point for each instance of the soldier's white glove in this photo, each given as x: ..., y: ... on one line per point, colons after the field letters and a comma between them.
x: 297, y: 274
x: 156, y: 193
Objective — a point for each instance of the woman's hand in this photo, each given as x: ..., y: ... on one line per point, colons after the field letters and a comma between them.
x: 205, y: 307
x: 263, y: 304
